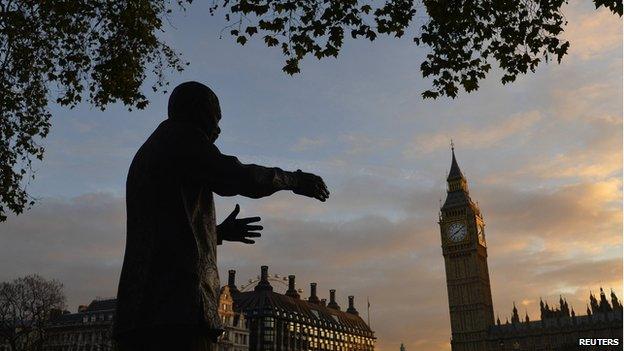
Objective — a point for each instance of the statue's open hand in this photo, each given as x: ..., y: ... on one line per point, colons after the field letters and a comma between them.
x: 310, y: 185
x: 239, y: 229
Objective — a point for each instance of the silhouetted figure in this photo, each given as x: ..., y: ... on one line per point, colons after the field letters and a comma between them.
x: 169, y: 287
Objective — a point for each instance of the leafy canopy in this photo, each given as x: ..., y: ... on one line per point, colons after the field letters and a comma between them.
x: 63, y: 51
x: 103, y: 51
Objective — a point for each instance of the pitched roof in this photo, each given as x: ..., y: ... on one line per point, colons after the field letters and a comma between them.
x: 108, y: 305
x: 102, y: 305
x: 455, y: 172
x: 457, y: 199
x: 265, y: 299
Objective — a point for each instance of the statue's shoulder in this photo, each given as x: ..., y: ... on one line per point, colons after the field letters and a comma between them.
x: 180, y: 130
x: 176, y: 138
x: 162, y: 141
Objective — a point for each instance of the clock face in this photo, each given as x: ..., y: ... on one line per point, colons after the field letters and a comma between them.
x: 456, y: 232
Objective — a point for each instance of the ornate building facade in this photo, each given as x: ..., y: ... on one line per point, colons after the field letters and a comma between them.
x: 90, y: 329
x: 285, y: 322
x: 236, y: 334
x: 258, y: 320
x: 465, y: 260
x: 473, y: 328
x: 559, y: 328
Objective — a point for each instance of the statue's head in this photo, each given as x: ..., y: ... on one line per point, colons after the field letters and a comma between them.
x: 195, y: 103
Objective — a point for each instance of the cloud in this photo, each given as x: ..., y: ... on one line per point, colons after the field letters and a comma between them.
x: 582, y: 212
x: 367, y: 257
x: 400, y: 267
x: 471, y: 138
x: 593, y: 33
x: 78, y: 241
x: 588, y: 150
x: 593, y: 101
x: 359, y: 143
x: 306, y: 144
x: 540, y: 244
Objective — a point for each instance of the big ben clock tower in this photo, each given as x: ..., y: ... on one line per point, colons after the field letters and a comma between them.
x: 465, y: 259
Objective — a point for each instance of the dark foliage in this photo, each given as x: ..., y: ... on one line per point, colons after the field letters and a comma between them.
x: 104, y: 50
x: 26, y: 306
x: 465, y: 37
x: 63, y: 51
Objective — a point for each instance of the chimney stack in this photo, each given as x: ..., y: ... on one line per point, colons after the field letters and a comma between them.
x: 264, y: 273
x: 292, y: 292
x: 264, y: 284
x: 324, y: 302
x: 232, y: 281
x: 351, y: 308
x: 313, y: 298
x: 332, y: 300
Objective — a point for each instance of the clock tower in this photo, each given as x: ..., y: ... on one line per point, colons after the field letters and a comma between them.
x: 465, y: 260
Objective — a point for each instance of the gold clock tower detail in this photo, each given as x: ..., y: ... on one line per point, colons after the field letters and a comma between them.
x: 465, y: 259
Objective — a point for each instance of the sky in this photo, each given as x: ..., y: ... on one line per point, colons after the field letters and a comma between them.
x: 543, y: 158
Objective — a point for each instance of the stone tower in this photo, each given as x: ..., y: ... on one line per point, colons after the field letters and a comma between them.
x: 465, y: 259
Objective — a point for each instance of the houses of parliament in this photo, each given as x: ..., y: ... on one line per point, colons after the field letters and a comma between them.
x: 473, y: 326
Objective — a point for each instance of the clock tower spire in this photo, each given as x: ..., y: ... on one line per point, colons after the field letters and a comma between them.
x: 465, y: 260
x: 456, y: 180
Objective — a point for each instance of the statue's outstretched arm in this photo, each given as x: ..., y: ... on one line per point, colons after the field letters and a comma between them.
x: 256, y: 181
x: 225, y: 175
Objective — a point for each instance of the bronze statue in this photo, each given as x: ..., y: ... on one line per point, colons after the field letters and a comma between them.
x: 169, y: 285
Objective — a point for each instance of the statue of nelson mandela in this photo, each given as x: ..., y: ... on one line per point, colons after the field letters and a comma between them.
x: 169, y: 287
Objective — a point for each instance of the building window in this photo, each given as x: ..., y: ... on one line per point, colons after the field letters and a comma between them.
x: 269, y: 322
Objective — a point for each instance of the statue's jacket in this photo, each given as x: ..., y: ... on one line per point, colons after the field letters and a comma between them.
x: 169, y: 275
